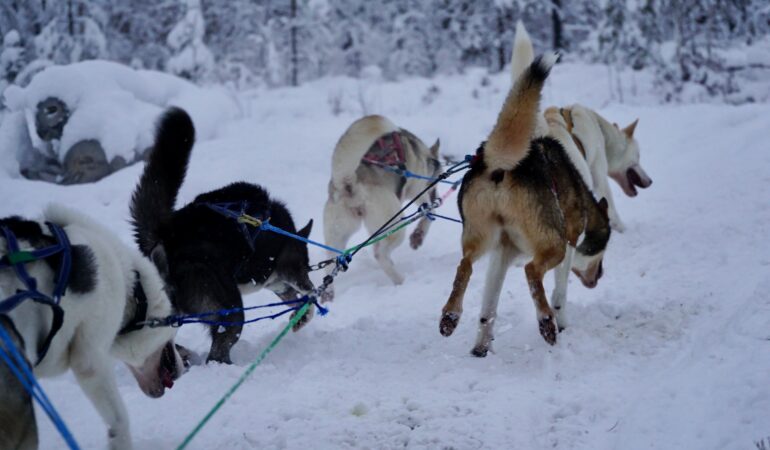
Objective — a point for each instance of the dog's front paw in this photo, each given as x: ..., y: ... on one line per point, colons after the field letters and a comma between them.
x: 119, y: 440
x: 548, y: 329
x: 448, y: 323
x: 416, y: 238
x: 480, y: 351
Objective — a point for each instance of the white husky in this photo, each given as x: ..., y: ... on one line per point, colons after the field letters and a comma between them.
x: 108, y: 284
x: 596, y: 147
x: 361, y: 190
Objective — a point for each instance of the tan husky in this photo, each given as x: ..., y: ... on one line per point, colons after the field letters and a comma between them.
x: 524, y: 198
x: 596, y: 147
x: 364, y: 187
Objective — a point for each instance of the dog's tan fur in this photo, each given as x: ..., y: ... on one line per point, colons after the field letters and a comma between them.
x: 524, y: 198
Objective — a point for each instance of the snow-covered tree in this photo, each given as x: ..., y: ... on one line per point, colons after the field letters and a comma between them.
x: 74, y: 33
x: 191, y: 59
x: 12, y: 58
x: 136, y: 31
x: 411, y: 50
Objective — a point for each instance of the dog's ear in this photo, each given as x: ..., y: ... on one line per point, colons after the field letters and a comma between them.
x: 434, y: 148
x: 604, y: 206
x: 305, y: 231
x: 629, y: 130
x: 158, y: 257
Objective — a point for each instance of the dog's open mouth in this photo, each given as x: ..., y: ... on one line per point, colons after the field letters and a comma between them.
x: 633, y: 177
x: 167, y: 371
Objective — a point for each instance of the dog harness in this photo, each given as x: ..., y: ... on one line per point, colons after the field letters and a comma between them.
x: 140, y: 312
x: 17, y: 258
x: 389, y: 151
x: 566, y: 113
x: 237, y: 211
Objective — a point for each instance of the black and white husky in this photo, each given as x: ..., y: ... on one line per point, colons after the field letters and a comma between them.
x: 207, y: 258
x: 362, y: 191
x: 102, y: 298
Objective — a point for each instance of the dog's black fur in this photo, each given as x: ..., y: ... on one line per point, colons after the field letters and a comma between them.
x: 203, y: 255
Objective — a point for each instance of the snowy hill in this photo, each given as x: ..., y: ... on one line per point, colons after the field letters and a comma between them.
x: 670, y: 351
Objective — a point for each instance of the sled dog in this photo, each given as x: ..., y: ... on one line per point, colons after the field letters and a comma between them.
x: 596, y: 147
x: 524, y: 198
x: 364, y: 187
x: 206, y: 258
x: 108, y: 291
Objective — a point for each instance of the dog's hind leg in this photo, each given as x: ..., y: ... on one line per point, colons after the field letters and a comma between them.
x: 499, y: 261
x: 93, y: 369
x: 18, y: 429
x: 545, y: 259
x: 475, y: 243
x: 340, y: 222
x: 559, y: 295
x: 418, y: 235
x: 387, y: 205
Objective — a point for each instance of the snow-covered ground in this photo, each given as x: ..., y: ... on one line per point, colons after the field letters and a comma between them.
x: 670, y: 351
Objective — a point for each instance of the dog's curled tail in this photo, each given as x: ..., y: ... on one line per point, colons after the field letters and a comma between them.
x: 509, y: 141
x: 154, y: 197
x: 354, y: 144
x: 522, y: 53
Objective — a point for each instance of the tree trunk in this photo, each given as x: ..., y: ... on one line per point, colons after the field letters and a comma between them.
x: 501, y: 56
x: 294, y: 56
x: 70, y: 20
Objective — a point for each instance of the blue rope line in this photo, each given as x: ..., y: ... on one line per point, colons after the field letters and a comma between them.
x: 407, y: 173
x: 225, y: 312
x: 18, y: 365
x: 183, y: 321
x: 224, y: 209
x: 267, y: 226
x: 178, y: 320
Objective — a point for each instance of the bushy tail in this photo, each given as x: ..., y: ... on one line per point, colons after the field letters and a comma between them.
x: 354, y: 144
x: 509, y: 141
x: 153, y: 201
x: 522, y: 53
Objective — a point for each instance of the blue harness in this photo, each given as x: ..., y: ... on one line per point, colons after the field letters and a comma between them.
x: 16, y: 259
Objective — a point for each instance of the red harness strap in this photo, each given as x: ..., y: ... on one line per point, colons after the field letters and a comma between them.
x: 389, y: 151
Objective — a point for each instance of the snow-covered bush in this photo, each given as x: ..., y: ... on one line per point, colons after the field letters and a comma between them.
x: 191, y: 59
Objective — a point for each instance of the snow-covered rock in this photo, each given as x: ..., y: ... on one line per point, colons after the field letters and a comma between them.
x: 109, y: 103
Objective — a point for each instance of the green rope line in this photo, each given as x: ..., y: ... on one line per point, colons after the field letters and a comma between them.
x: 382, y: 236
x: 300, y: 313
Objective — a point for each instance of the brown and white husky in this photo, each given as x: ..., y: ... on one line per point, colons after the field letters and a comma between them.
x: 524, y: 198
